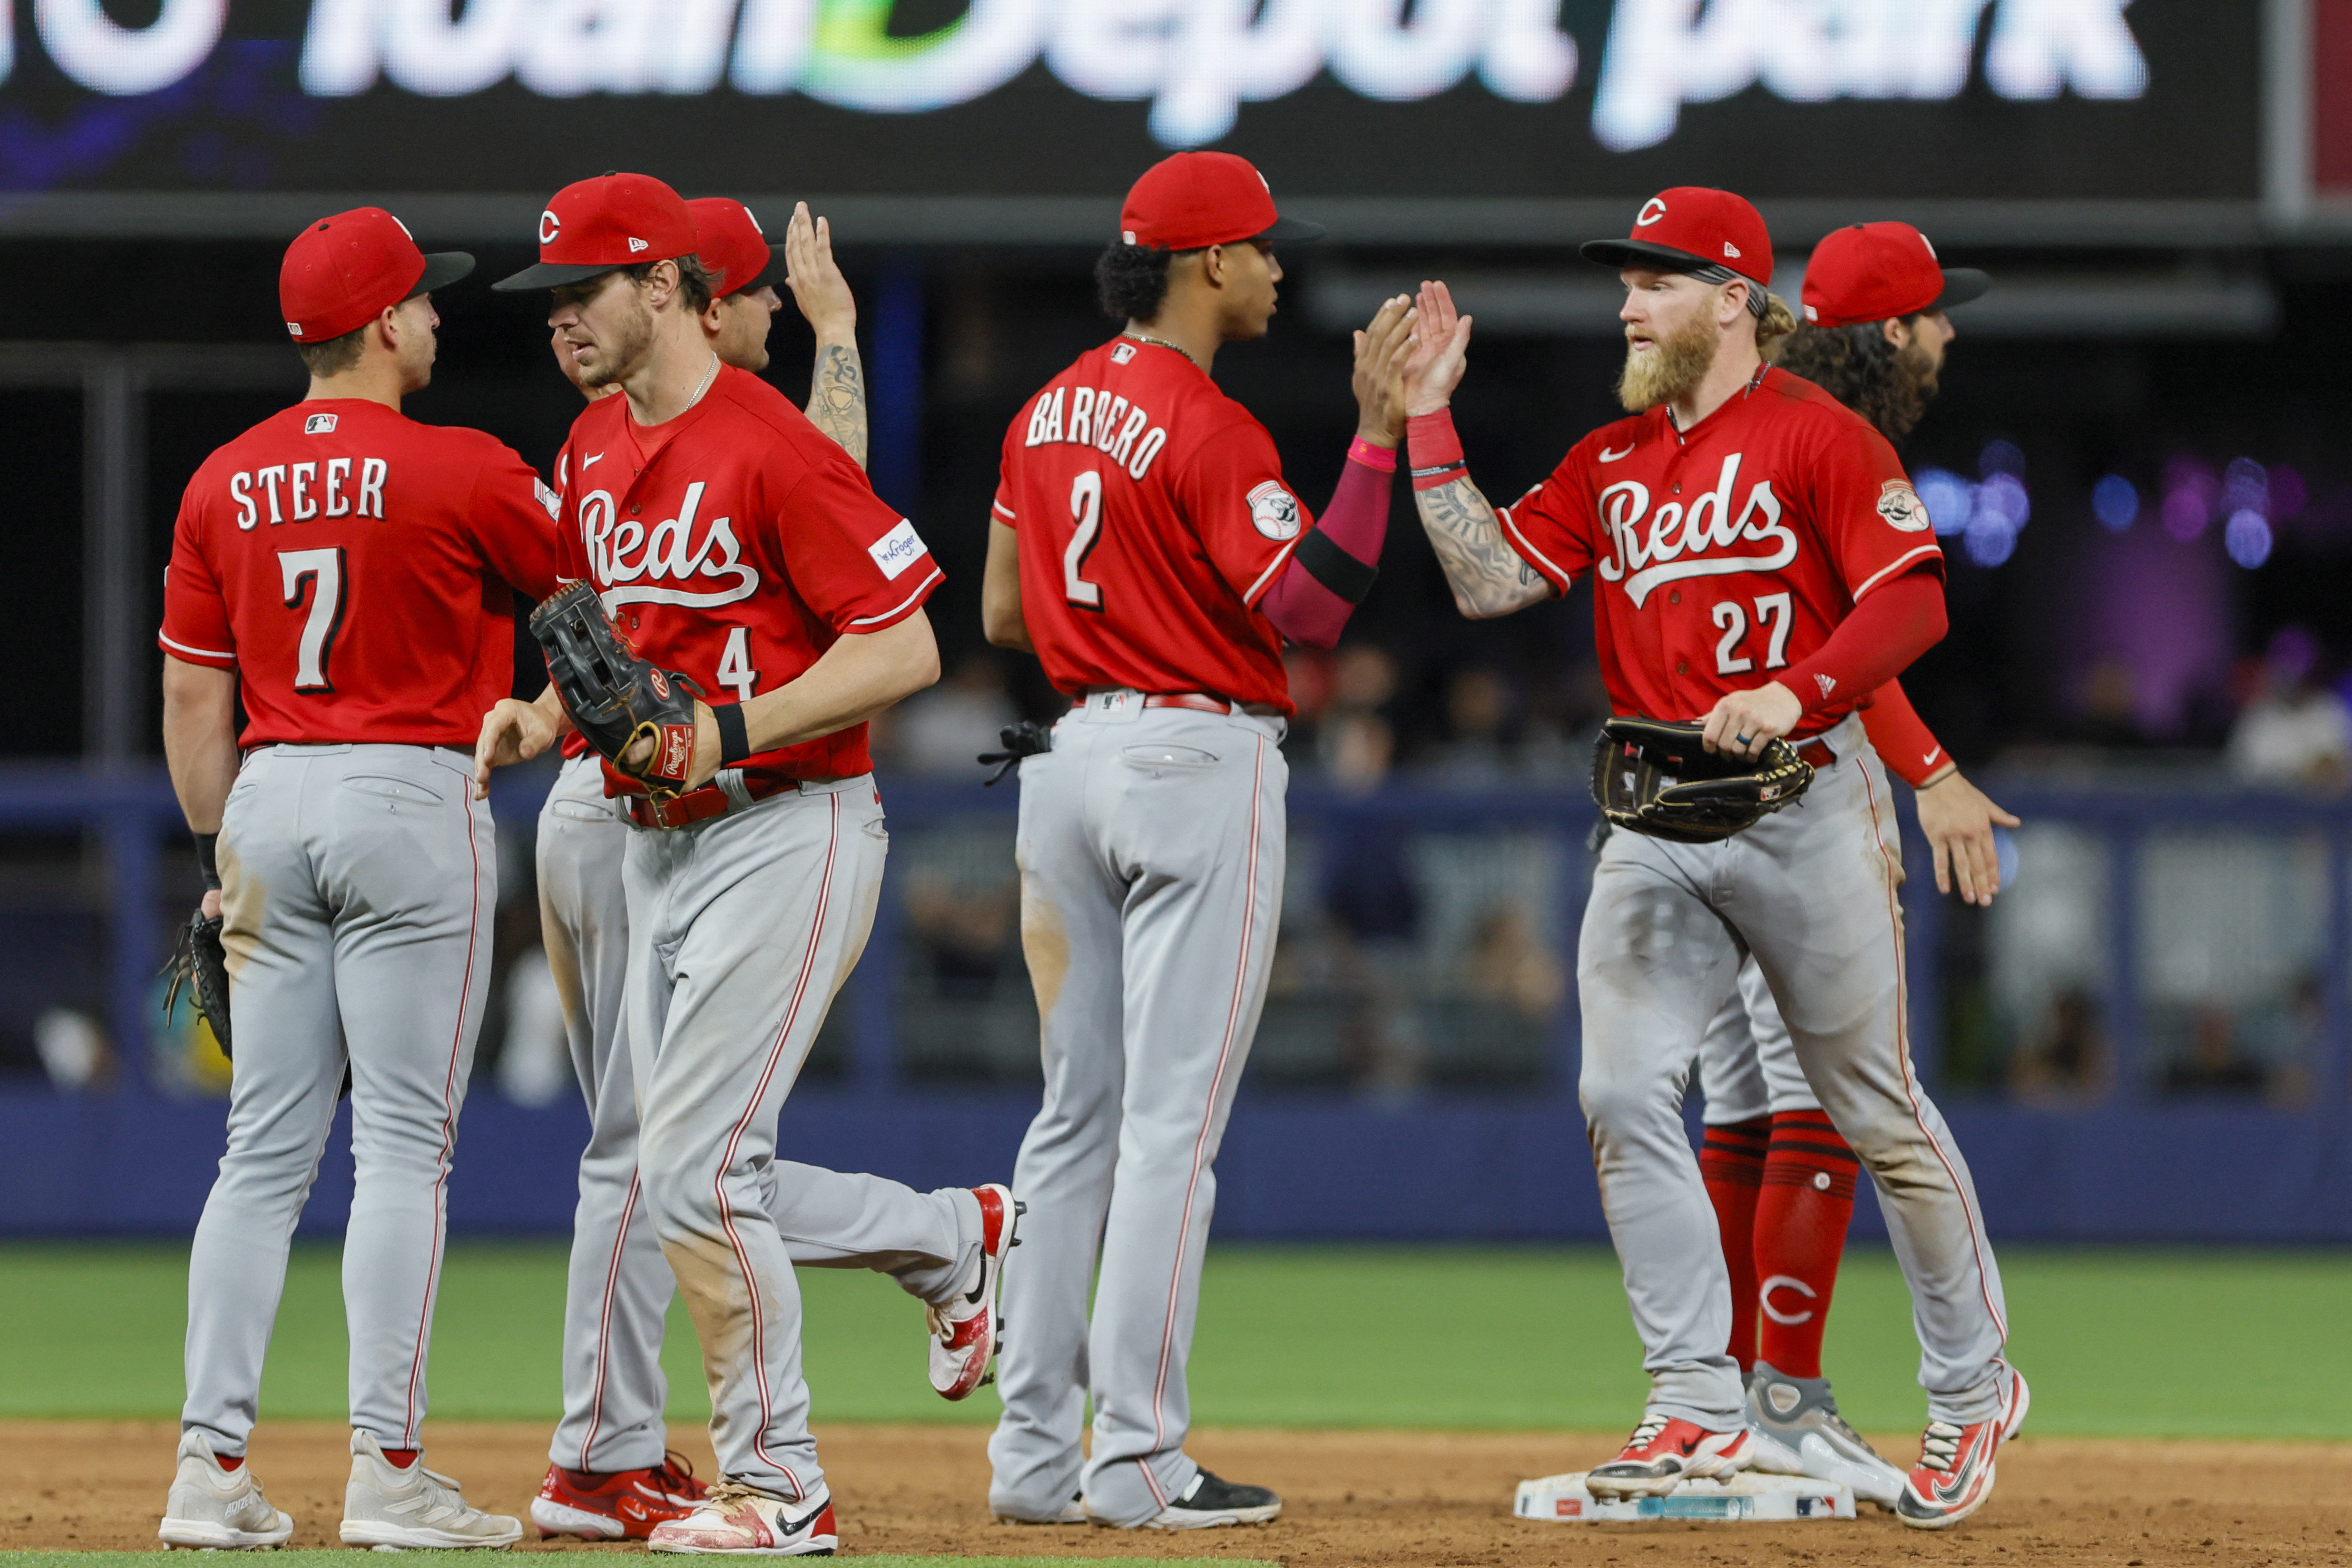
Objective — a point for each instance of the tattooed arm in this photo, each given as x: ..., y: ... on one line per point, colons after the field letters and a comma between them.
x: 837, y: 389
x: 1487, y: 576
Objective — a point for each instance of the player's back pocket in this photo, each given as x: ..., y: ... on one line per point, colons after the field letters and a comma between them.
x: 1156, y: 758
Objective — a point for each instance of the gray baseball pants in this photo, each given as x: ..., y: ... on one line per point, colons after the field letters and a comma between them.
x: 1150, y: 849
x: 1811, y: 891
x: 357, y: 886
x: 1748, y: 1066
x: 618, y: 1293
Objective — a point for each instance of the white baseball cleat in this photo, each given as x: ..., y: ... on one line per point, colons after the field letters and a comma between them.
x: 396, y: 1510
x: 1666, y: 1451
x: 1073, y: 1512
x: 736, y: 1521
x: 964, y: 1330
x: 1799, y: 1432
x: 216, y: 1510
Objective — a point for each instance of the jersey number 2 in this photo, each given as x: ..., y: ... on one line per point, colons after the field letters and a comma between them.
x: 323, y: 571
x: 1086, y: 519
x: 1772, y: 610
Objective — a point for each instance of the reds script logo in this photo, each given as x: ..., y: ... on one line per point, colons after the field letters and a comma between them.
x: 635, y: 565
x: 1703, y: 542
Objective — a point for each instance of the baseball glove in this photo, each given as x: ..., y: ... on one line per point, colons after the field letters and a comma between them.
x: 199, y: 962
x: 615, y: 697
x: 1656, y: 777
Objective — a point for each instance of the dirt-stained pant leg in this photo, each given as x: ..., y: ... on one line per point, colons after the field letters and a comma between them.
x: 1653, y: 964
x: 741, y: 930
x: 1182, y: 813
x: 619, y: 1286
x: 1814, y: 890
x: 1071, y: 934
x: 1748, y: 1066
x: 359, y: 882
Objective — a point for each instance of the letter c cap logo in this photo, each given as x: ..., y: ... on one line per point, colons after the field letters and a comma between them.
x: 549, y: 224
x: 1651, y: 211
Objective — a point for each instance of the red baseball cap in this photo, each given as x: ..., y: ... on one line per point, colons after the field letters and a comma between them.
x: 1194, y: 200
x: 342, y: 272
x: 1877, y: 272
x: 1692, y: 228
x: 594, y: 225
x: 730, y: 243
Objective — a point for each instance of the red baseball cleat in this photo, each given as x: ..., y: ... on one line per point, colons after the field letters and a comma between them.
x: 615, y: 1505
x: 1955, y: 1472
x: 1664, y: 1452
x: 964, y: 1331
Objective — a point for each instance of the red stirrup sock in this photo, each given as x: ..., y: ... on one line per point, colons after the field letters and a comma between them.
x: 1801, y: 1223
x: 1731, y: 1162
x: 401, y: 1457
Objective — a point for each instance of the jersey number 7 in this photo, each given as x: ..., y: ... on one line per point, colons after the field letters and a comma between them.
x: 318, y: 575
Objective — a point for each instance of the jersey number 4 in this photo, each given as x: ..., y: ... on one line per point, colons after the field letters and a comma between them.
x: 1085, y: 532
x: 316, y: 575
x: 1772, y: 611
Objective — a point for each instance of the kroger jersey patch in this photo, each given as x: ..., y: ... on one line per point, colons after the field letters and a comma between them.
x: 1727, y: 552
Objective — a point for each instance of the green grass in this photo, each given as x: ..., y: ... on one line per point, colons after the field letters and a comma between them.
x: 2182, y: 1344
x: 314, y: 1558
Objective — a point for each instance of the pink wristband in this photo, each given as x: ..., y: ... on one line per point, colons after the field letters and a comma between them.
x: 1380, y: 457
x: 1436, y: 449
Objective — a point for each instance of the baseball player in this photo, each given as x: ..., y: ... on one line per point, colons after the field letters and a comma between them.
x: 1780, y: 1177
x: 609, y: 1474
x: 1761, y: 562
x: 739, y: 546
x: 350, y: 575
x: 1145, y: 546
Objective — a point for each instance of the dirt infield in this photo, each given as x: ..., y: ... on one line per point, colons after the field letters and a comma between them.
x: 1375, y: 1497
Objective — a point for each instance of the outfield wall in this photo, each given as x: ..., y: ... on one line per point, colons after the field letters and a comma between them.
x: 127, y: 1165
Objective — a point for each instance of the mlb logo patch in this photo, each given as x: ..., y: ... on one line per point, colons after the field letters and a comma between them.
x: 319, y: 425
x: 1123, y: 353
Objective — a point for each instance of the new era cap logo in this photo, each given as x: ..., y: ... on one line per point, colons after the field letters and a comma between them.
x: 320, y: 424
x: 549, y: 225
x: 1651, y: 211
x: 1731, y: 249
x: 636, y: 245
x: 294, y: 327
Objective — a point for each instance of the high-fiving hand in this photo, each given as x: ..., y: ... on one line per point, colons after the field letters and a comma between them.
x: 818, y: 288
x: 1441, y: 351
x: 1381, y: 351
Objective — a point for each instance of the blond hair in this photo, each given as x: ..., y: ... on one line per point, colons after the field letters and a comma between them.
x: 1775, y: 324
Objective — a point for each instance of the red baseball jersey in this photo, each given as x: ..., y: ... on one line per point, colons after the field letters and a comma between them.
x: 1152, y: 518
x: 735, y: 544
x: 1728, y: 551
x: 358, y: 569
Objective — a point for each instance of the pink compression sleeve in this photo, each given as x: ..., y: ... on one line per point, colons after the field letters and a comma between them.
x: 1302, y: 608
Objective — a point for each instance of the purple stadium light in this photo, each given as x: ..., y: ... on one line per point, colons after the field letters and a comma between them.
x: 1950, y: 500
x: 2246, y: 487
x: 2190, y: 493
x: 2001, y: 456
x: 2248, y: 539
x: 1990, y: 541
x: 2115, y: 501
x: 2002, y: 498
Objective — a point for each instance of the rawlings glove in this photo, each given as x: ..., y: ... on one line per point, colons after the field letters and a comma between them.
x: 199, y: 962
x: 615, y: 697
x: 1656, y: 777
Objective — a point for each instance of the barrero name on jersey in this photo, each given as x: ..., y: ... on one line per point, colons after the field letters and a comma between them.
x: 1097, y: 419
x: 298, y: 492
x: 1677, y: 544
x: 631, y: 562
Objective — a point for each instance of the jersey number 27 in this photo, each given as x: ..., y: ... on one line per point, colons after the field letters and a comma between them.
x: 1772, y: 613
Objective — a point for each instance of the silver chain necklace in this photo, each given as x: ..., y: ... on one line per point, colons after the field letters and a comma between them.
x: 1158, y: 343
